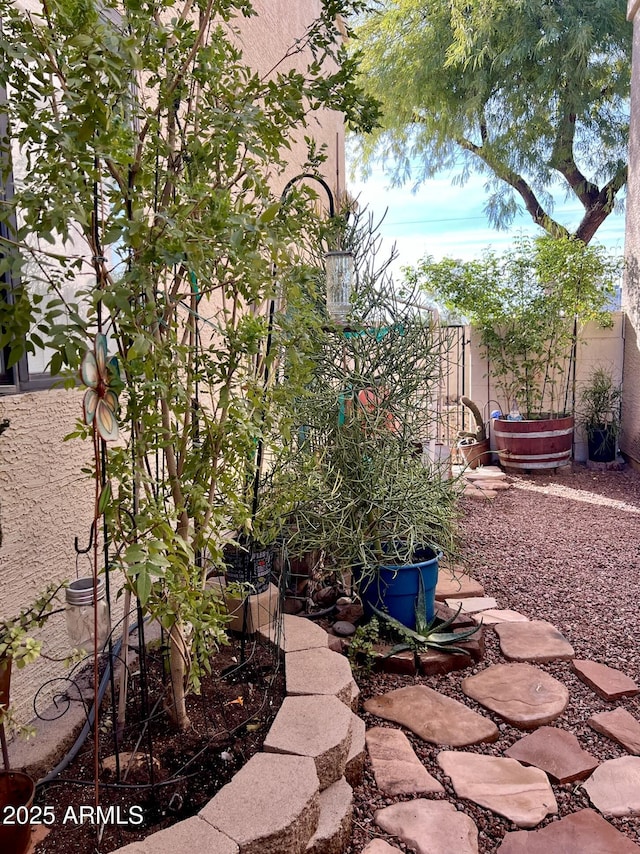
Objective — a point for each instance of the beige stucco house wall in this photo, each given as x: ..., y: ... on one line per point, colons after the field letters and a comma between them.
x: 46, y: 500
x: 630, y: 439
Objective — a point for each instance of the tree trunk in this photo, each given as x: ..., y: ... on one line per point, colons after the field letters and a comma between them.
x: 178, y: 659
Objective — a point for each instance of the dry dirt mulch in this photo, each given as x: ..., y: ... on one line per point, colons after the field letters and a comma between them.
x: 229, y: 720
x: 563, y: 548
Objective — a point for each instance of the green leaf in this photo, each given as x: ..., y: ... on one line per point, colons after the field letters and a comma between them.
x: 105, y: 497
x: 143, y: 586
x: 270, y: 213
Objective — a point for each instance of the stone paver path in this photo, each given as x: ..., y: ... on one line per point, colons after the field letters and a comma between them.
x: 457, y: 584
x: 607, y: 682
x: 614, y: 787
x: 433, y: 717
x: 523, y: 795
x: 516, y: 786
x: 396, y: 768
x: 522, y: 694
x: 430, y: 827
x: 379, y: 846
x: 621, y: 726
x: 471, y: 604
x: 499, y: 615
x: 555, y: 751
x: 582, y: 832
x: 533, y: 640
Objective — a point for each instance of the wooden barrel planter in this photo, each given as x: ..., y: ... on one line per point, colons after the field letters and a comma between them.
x: 532, y: 445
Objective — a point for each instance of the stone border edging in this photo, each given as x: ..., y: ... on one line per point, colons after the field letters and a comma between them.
x: 274, y: 803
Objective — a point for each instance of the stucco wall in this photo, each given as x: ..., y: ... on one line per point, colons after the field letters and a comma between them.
x: 630, y: 442
x: 46, y: 500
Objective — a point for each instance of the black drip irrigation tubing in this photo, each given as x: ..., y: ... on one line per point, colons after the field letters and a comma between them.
x: 86, y: 729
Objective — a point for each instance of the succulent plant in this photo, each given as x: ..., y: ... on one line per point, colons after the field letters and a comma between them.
x: 480, y: 433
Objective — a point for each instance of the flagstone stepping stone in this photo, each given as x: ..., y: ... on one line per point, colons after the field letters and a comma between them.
x: 614, y: 787
x: 555, y: 751
x: 504, y: 786
x: 619, y: 725
x: 458, y: 584
x: 522, y: 694
x: 432, y: 716
x: 582, y: 832
x: 534, y: 640
x: 499, y: 615
x: 396, y: 768
x: 607, y: 682
x: 485, y: 473
x: 473, y: 491
x: 430, y: 827
x: 380, y: 846
x: 496, y: 485
x: 472, y: 604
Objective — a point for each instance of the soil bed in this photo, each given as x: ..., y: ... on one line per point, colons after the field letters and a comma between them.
x: 229, y: 721
x: 562, y: 548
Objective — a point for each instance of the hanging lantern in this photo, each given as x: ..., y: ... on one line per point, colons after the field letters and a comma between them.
x: 339, y: 270
x: 80, y: 616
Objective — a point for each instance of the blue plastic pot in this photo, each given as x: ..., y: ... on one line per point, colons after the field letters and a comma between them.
x: 395, y: 589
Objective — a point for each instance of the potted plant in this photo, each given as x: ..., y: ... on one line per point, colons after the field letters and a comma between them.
x: 19, y: 647
x: 529, y: 306
x: 599, y: 415
x: 357, y: 490
x: 474, y: 444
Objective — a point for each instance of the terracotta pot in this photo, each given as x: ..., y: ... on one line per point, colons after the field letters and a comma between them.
x: 5, y: 681
x: 476, y: 454
x: 16, y: 790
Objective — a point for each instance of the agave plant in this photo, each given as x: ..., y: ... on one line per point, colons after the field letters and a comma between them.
x: 430, y: 634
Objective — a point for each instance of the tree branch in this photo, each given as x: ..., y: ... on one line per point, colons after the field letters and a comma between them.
x: 602, y: 206
x: 532, y: 204
x: 563, y: 161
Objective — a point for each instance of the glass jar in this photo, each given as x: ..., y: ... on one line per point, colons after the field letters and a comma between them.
x: 339, y: 271
x: 80, y: 616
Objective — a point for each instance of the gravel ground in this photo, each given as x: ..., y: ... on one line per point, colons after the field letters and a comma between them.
x: 563, y: 548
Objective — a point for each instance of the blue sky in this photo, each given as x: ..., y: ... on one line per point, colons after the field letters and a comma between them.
x: 445, y: 220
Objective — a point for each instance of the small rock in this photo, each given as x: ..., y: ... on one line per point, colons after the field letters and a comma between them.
x: 344, y: 629
x: 326, y: 597
x: 349, y: 613
x: 344, y: 600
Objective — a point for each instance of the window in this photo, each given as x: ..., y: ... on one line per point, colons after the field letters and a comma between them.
x: 29, y: 373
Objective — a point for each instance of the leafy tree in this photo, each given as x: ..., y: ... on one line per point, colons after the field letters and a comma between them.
x: 528, y: 306
x: 145, y: 212
x: 534, y: 95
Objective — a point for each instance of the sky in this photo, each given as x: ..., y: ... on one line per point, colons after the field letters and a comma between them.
x: 445, y: 220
